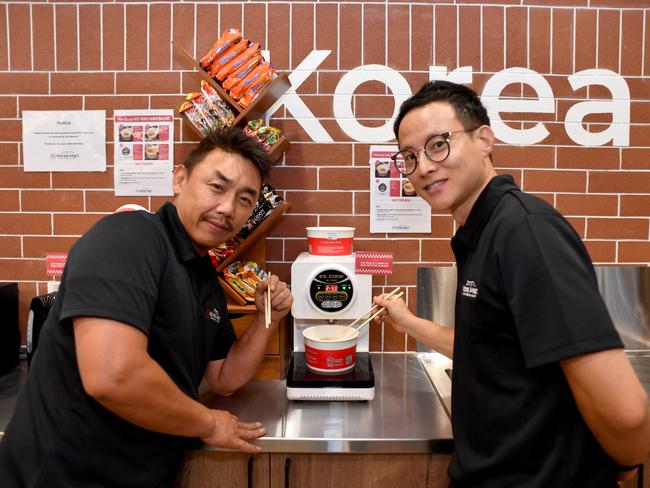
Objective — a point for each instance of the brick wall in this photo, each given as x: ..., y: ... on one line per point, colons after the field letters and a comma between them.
x: 117, y: 55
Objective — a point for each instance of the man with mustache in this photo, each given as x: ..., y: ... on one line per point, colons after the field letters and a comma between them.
x: 543, y: 394
x: 139, y: 321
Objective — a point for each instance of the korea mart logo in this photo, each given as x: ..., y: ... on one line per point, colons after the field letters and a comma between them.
x: 212, y: 314
x: 470, y: 290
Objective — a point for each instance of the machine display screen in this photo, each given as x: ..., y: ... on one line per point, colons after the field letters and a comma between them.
x: 331, y: 290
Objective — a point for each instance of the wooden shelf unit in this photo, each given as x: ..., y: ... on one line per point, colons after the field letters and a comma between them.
x: 264, y: 100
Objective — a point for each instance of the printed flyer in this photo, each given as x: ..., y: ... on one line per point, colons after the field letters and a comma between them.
x: 144, y: 152
x: 394, y: 205
x: 64, y: 140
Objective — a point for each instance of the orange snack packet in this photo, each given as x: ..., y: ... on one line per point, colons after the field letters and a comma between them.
x: 228, y: 55
x: 244, y: 70
x: 228, y: 38
x: 256, y: 87
x: 247, y: 82
x: 235, y: 63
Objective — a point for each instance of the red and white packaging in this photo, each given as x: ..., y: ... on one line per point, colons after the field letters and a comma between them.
x: 330, y: 241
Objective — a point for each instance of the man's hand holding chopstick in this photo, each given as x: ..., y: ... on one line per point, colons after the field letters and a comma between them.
x: 281, y: 298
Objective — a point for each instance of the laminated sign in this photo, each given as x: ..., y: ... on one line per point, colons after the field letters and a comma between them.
x: 374, y: 263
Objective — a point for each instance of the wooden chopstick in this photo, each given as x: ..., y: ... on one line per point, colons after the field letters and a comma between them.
x: 267, y: 304
x: 399, y: 295
x: 389, y: 296
x: 373, y: 307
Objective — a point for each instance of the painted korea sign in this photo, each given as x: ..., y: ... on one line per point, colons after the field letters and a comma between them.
x: 618, y: 132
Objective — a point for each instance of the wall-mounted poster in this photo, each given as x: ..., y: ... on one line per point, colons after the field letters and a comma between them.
x: 394, y: 205
x: 144, y: 152
x: 64, y: 140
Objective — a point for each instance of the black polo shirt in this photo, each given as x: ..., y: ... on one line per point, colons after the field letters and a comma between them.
x: 527, y: 298
x: 140, y: 269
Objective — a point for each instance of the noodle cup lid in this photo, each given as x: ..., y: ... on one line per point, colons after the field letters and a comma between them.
x: 330, y: 232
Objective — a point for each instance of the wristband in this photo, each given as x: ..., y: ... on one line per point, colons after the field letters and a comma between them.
x: 622, y: 469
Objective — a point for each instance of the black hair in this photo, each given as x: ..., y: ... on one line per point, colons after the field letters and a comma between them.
x: 234, y: 141
x: 466, y: 103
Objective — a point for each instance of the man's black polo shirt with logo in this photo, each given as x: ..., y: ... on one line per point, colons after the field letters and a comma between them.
x: 527, y: 298
x: 140, y: 269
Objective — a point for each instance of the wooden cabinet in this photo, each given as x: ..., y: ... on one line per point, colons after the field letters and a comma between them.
x: 216, y: 469
x: 292, y: 470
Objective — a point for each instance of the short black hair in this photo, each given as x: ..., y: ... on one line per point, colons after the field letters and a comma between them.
x: 232, y: 140
x: 466, y: 103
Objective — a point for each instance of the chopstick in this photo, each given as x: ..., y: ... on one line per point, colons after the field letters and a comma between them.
x: 399, y: 295
x: 373, y: 307
x: 347, y: 329
x: 267, y: 304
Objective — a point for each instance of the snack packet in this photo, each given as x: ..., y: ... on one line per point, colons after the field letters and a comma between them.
x: 228, y: 55
x: 267, y: 135
x: 259, y: 71
x: 236, y: 63
x: 223, y: 250
x: 227, y: 39
x: 203, y: 109
x: 217, y: 106
x: 268, y: 200
x: 256, y: 88
x: 242, y: 72
x: 189, y: 112
x: 245, y: 278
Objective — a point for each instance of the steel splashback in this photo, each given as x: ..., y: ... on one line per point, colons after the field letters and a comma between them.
x: 625, y: 290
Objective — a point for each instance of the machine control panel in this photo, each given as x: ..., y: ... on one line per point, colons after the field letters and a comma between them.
x: 331, y: 290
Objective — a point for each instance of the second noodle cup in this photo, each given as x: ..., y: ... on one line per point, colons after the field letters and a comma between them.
x: 327, y: 352
x: 330, y: 241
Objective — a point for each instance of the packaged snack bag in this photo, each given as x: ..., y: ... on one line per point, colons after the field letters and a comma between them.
x: 256, y: 88
x: 265, y: 204
x: 227, y: 39
x: 265, y: 134
x: 228, y: 55
x: 236, y: 63
x: 217, y: 106
x: 245, y: 278
x: 203, y: 109
x: 190, y: 113
x: 242, y: 72
x: 259, y: 71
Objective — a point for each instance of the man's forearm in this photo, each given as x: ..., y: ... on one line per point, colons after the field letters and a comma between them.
x: 436, y: 336
x: 245, y: 356
x: 147, y: 397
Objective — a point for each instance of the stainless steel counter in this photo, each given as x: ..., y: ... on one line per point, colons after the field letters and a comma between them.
x: 405, y: 416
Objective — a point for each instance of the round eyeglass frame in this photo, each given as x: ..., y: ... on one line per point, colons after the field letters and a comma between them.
x: 445, y: 136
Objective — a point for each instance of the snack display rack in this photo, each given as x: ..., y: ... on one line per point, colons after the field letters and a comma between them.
x: 266, y: 98
x: 253, y: 247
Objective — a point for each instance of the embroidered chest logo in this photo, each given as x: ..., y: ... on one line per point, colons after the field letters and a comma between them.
x: 470, y: 289
x: 212, y: 314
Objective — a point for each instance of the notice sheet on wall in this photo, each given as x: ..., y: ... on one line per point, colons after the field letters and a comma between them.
x: 394, y: 205
x: 144, y: 152
x: 64, y: 140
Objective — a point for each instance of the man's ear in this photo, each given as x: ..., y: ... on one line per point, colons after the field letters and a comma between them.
x: 486, y: 139
x: 179, y: 178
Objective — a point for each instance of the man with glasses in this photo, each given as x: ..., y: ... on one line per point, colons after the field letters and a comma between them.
x: 543, y: 394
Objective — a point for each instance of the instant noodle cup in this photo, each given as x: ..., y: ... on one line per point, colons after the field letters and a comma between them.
x: 330, y: 348
x: 330, y: 241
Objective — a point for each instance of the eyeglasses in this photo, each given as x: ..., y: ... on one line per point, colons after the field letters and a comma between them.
x: 436, y: 149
